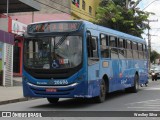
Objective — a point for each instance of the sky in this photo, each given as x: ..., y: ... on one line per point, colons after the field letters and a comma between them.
x: 154, y: 6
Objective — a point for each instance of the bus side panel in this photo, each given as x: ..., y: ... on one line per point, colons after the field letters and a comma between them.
x: 121, y: 72
x: 118, y: 67
x: 143, y: 72
x: 106, y: 69
x: 93, y: 80
x: 117, y: 71
x: 134, y: 66
x: 114, y: 71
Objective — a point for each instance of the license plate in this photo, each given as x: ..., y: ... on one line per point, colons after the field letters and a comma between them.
x: 51, y: 90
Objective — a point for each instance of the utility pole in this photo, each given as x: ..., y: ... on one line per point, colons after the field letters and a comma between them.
x: 127, y: 2
x: 149, y: 42
x: 32, y: 16
x: 7, y: 8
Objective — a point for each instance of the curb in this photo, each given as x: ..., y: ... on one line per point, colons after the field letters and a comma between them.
x: 16, y: 100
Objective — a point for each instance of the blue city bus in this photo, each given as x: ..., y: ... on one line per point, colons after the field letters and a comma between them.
x: 78, y: 59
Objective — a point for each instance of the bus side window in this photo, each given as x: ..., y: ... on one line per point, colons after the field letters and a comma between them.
x: 113, y: 41
x: 121, y: 43
x: 129, y: 49
x: 121, y: 47
x: 140, y: 50
x: 124, y: 43
x: 114, y: 47
x: 135, y: 50
x: 114, y: 53
x: 104, y: 42
x: 92, y: 47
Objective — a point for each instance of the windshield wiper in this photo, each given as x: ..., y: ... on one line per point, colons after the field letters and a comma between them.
x: 61, y: 41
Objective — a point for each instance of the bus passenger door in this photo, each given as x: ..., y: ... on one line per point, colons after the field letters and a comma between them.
x: 93, y: 66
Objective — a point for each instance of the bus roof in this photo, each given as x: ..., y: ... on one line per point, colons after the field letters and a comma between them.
x: 106, y: 30
x: 110, y: 31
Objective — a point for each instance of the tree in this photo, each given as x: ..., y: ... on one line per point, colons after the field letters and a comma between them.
x: 122, y: 15
x: 154, y: 55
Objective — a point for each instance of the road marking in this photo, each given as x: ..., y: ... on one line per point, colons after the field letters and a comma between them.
x: 153, y: 105
x: 146, y: 108
x: 151, y: 88
x: 145, y: 105
x: 143, y: 101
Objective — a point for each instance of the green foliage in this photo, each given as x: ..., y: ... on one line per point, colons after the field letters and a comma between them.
x: 153, y: 56
x: 123, y: 16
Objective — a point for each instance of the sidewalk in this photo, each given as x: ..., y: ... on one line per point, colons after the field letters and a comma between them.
x: 12, y: 94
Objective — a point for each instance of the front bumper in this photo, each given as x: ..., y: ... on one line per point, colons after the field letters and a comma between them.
x: 68, y: 91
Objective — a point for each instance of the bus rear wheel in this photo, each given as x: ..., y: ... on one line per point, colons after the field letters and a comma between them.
x: 135, y: 88
x: 101, y: 98
x: 53, y: 100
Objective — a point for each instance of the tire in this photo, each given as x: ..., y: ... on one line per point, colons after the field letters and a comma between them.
x: 101, y: 98
x: 53, y: 100
x: 156, y: 78
x: 135, y: 88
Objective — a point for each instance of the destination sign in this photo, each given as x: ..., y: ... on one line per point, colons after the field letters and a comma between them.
x: 53, y: 27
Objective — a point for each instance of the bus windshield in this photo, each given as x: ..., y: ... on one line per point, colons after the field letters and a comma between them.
x: 57, y: 52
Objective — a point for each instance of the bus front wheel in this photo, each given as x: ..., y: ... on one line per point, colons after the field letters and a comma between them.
x: 101, y: 98
x: 53, y: 100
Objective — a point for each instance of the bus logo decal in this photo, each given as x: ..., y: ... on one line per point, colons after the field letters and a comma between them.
x: 55, y: 64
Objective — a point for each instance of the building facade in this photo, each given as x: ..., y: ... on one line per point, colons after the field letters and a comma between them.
x: 84, y: 9
x: 9, y: 30
x: 17, y: 29
x: 59, y: 10
x: 6, y: 58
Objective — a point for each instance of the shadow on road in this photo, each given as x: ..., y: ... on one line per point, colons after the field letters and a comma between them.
x: 81, y: 102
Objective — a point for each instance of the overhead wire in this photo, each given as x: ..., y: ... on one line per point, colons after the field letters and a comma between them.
x: 60, y: 4
x: 52, y: 7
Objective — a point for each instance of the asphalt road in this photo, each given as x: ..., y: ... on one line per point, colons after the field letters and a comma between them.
x: 147, y: 99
